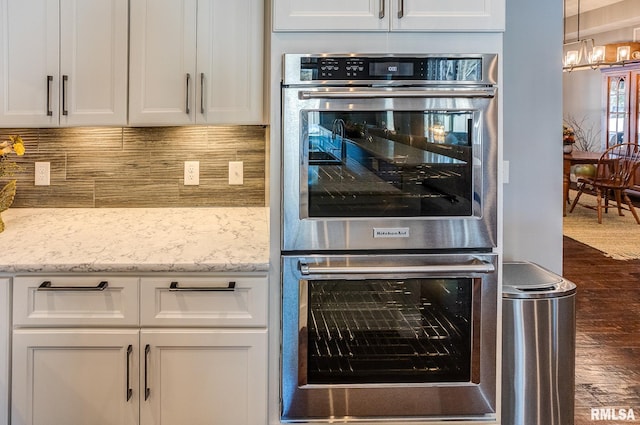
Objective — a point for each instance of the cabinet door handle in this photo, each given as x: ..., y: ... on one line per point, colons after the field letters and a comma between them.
x: 202, y: 93
x: 382, y: 11
x: 188, y: 109
x: 147, y: 390
x: 46, y: 286
x: 129, y: 391
x: 65, y: 79
x: 49, y: 81
x: 231, y: 286
x: 400, y: 9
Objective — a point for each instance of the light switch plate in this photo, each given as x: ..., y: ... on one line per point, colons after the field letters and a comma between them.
x: 42, y: 174
x: 505, y: 172
x: 236, y: 172
x: 191, y: 173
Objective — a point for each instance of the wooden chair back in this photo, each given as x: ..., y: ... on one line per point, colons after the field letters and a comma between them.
x: 616, y: 166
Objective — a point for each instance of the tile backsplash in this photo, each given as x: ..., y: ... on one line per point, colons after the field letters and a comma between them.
x: 140, y: 167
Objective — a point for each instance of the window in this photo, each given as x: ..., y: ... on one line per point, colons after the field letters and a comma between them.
x: 621, y: 96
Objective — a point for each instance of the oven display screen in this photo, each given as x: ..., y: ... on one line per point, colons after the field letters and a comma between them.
x: 391, y: 69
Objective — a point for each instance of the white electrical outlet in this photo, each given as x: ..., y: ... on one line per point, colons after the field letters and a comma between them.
x: 191, y: 173
x: 42, y: 174
x: 236, y: 173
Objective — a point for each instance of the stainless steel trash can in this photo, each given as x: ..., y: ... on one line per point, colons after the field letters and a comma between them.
x: 538, y: 346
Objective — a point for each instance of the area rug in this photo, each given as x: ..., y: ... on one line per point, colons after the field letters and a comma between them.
x: 617, y: 237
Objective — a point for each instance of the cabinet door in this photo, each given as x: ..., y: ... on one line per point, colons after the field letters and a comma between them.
x: 450, y: 15
x: 5, y: 312
x: 162, y: 73
x: 29, y: 56
x: 75, y: 377
x: 230, y: 62
x: 93, y: 62
x: 331, y: 15
x: 203, y: 377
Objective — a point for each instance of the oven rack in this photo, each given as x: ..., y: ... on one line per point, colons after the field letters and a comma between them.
x: 386, y: 304
x: 420, y: 322
x: 397, y: 358
x: 382, y: 328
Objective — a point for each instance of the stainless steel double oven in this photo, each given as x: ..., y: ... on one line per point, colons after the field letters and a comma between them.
x: 389, y: 224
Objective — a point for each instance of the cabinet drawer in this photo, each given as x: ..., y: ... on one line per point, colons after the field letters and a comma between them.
x: 217, y: 300
x: 75, y: 301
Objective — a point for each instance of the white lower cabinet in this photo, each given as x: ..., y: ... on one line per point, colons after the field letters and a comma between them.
x: 203, y: 377
x: 84, y: 353
x: 5, y: 355
x: 74, y: 377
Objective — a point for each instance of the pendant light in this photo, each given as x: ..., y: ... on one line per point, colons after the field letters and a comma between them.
x: 579, y: 52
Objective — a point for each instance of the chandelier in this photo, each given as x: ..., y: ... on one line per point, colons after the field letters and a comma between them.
x: 583, y: 54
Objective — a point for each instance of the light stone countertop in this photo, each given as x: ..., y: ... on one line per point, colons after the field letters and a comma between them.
x: 134, y: 240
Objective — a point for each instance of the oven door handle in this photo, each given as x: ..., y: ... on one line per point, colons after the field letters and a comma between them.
x: 481, y: 267
x: 372, y: 94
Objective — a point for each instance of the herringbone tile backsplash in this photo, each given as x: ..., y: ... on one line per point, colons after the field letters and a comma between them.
x: 140, y: 167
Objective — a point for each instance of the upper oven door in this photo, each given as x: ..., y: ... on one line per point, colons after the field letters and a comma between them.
x: 389, y: 168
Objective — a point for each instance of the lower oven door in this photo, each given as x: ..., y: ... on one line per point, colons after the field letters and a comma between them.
x: 389, y: 337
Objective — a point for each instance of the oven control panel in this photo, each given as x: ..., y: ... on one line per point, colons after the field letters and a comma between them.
x: 329, y: 68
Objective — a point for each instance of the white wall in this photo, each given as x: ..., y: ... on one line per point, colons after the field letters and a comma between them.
x: 582, y: 100
x: 532, y: 132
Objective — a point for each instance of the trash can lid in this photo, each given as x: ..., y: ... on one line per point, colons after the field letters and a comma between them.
x: 529, y: 280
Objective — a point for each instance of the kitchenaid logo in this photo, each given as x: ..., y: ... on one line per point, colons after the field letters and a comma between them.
x: 612, y: 414
x: 390, y: 232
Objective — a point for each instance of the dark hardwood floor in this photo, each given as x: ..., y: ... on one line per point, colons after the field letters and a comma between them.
x: 607, y: 332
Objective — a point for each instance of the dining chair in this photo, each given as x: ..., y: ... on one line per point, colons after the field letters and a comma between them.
x: 614, y: 175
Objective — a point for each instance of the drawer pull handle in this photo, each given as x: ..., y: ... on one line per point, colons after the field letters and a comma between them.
x: 147, y: 390
x: 230, y: 287
x: 46, y: 286
x: 129, y: 391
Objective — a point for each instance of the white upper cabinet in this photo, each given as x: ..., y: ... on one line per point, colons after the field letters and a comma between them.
x: 93, y: 62
x: 389, y: 15
x: 63, y: 62
x: 330, y: 15
x: 230, y: 61
x: 29, y: 56
x: 196, y: 62
x: 162, y: 62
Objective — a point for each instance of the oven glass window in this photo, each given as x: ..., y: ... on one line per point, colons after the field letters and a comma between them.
x: 389, y: 163
x: 388, y: 331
